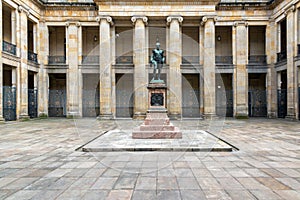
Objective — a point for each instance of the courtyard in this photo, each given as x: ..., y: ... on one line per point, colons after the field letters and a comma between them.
x: 43, y: 159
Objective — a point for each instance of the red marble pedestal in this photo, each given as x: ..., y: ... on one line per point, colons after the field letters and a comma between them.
x: 157, y: 123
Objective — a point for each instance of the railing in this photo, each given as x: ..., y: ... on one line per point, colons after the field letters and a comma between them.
x: 281, y: 56
x: 190, y: 59
x: 124, y: 60
x: 32, y: 56
x: 9, y: 48
x: 257, y: 59
x: 90, y: 59
x: 224, y: 60
x: 56, y: 60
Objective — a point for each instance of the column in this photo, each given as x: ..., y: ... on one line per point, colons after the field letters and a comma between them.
x: 291, y: 68
x: 80, y: 76
x: 43, y: 76
x: 113, y: 71
x: 201, y: 61
x: 34, y: 38
x: 73, y: 71
x: 105, y: 68
x: 271, y: 75
x: 140, y: 72
x: 174, y: 75
x: 14, y: 83
x: 240, y: 82
x: 1, y: 66
x: 209, y: 67
x: 23, y: 71
x: 13, y: 26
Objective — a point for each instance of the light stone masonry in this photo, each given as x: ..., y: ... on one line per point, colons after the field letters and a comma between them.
x: 43, y: 75
x: 271, y: 59
x: 207, y: 15
x: 291, y: 69
x: 105, y: 68
x: 140, y: 72
x: 73, y: 88
x: 209, y: 66
x: 22, y: 91
x: 240, y: 71
x: 174, y: 75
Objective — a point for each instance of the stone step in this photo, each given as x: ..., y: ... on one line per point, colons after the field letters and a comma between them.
x: 157, y: 121
x: 156, y: 115
x: 157, y: 128
x: 138, y: 134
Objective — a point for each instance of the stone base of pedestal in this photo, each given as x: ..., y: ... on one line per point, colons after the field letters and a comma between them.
x: 157, y: 126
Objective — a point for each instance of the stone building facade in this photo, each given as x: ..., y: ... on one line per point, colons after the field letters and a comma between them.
x: 90, y: 58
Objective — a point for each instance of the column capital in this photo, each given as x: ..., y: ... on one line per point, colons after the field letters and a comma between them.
x: 289, y: 9
x: 174, y: 17
x: 105, y: 17
x: 139, y: 17
x: 68, y: 23
x: 240, y: 23
x: 22, y: 9
x: 208, y: 17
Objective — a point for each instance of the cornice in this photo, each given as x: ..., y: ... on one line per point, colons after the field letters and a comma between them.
x: 73, y: 7
x: 157, y: 2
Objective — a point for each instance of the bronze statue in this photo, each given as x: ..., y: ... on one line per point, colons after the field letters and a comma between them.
x: 157, y: 60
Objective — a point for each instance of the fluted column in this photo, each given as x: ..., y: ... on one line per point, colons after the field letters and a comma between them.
x: 291, y: 68
x: 271, y: 75
x: 240, y: 85
x: 140, y: 72
x: 1, y: 65
x: 174, y: 75
x: 43, y: 76
x: 105, y: 68
x: 73, y: 71
x: 23, y: 71
x: 209, y: 67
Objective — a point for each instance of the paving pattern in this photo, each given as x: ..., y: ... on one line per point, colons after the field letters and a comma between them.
x: 38, y: 161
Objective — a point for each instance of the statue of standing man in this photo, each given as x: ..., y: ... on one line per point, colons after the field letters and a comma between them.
x: 157, y: 60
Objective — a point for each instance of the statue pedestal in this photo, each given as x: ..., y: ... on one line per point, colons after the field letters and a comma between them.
x: 157, y: 123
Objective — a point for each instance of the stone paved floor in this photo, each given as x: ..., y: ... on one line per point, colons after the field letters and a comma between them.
x: 38, y: 161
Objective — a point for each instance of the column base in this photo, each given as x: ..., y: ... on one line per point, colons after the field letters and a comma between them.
x: 24, y: 117
x: 2, y: 120
x: 139, y: 116
x: 241, y: 116
x: 73, y: 115
x: 272, y: 115
x: 43, y: 115
x: 291, y: 117
x: 105, y: 117
x: 175, y: 116
x: 210, y: 116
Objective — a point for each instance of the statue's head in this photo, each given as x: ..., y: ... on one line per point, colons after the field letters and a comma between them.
x: 157, y: 45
